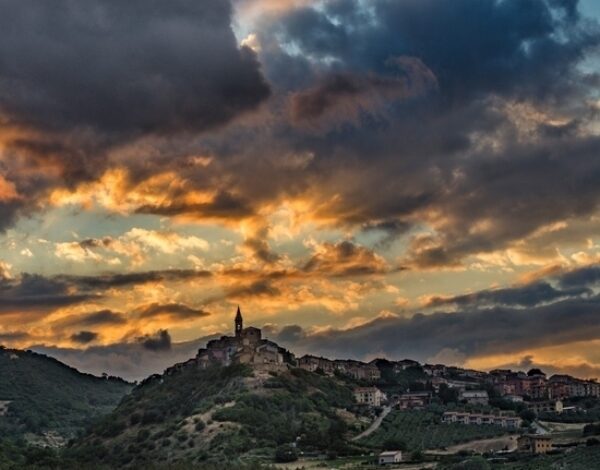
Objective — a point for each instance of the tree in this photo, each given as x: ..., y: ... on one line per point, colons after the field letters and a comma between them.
x: 447, y: 394
x: 527, y: 415
x: 394, y: 444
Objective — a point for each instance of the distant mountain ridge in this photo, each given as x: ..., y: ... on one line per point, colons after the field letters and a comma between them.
x: 48, y: 401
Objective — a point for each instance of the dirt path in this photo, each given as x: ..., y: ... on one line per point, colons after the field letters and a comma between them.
x: 495, y: 444
x: 375, y: 425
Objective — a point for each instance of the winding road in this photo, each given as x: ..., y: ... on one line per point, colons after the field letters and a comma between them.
x: 375, y: 424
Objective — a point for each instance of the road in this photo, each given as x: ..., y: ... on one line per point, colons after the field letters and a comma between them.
x: 539, y: 428
x: 375, y: 424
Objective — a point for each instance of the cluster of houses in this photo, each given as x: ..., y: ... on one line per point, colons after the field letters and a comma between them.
x: 355, y: 369
x: 537, y: 386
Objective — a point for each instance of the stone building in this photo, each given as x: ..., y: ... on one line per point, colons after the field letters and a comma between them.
x: 534, y: 443
x: 246, y: 347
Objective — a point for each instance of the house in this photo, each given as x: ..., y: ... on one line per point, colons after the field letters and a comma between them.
x: 548, y: 406
x: 405, y: 364
x: 357, y: 370
x: 413, y: 400
x: 390, y: 457
x: 371, y: 396
x: 565, y: 386
x: 514, y: 398
x: 474, y: 397
x: 504, y: 421
x: 435, y: 370
x: 314, y: 364
x: 534, y: 443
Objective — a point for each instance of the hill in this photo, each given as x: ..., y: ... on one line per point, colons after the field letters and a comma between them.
x: 47, y: 401
x: 221, y: 413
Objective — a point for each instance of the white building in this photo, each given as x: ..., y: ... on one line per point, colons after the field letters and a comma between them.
x: 474, y: 397
x: 509, y: 422
x: 390, y: 457
x: 371, y: 396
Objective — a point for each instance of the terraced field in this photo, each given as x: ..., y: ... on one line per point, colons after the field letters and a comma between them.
x: 424, y: 430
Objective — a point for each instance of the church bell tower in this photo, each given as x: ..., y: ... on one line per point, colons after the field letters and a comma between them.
x: 239, y: 323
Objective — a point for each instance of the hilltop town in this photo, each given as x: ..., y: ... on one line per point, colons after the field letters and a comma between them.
x: 533, y: 388
x: 507, y: 406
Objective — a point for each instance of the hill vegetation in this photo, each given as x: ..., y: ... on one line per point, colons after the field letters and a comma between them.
x: 220, y: 414
x: 49, y: 401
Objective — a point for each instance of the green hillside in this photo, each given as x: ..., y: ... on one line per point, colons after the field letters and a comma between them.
x: 49, y: 401
x: 222, y: 413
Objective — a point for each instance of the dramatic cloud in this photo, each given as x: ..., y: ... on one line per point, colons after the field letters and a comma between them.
x: 94, y: 319
x: 108, y: 281
x: 151, y: 67
x: 349, y: 94
x: 401, y: 155
x: 345, y: 259
x: 178, y: 311
x: 13, y: 336
x: 84, y: 337
x: 36, y: 293
x: 551, y: 319
x: 526, y: 296
x: 151, y: 70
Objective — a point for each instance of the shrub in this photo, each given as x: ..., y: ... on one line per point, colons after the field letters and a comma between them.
x: 286, y: 453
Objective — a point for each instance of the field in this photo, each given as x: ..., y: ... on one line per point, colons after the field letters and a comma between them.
x: 582, y: 458
x: 423, y: 430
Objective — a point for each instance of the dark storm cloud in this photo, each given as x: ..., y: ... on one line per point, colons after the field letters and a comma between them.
x: 345, y: 259
x: 258, y: 245
x: 99, y: 318
x: 79, y: 80
x: 160, y: 341
x: 260, y: 288
x: 13, y: 336
x: 32, y: 292
x: 427, y: 155
x: 37, y: 293
x: 84, y: 337
x: 513, y: 191
x: 588, y: 276
x: 173, y: 310
x: 8, y: 213
x: 512, y: 48
x: 469, y: 332
x: 224, y: 206
x: 525, y: 296
x: 344, y: 92
x: 108, y: 281
x: 486, y: 322
x: 391, y: 230
x: 124, y: 67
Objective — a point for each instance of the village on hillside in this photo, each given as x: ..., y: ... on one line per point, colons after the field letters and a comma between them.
x: 501, y: 414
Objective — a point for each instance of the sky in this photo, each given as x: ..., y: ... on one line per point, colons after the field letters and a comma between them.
x: 382, y: 178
